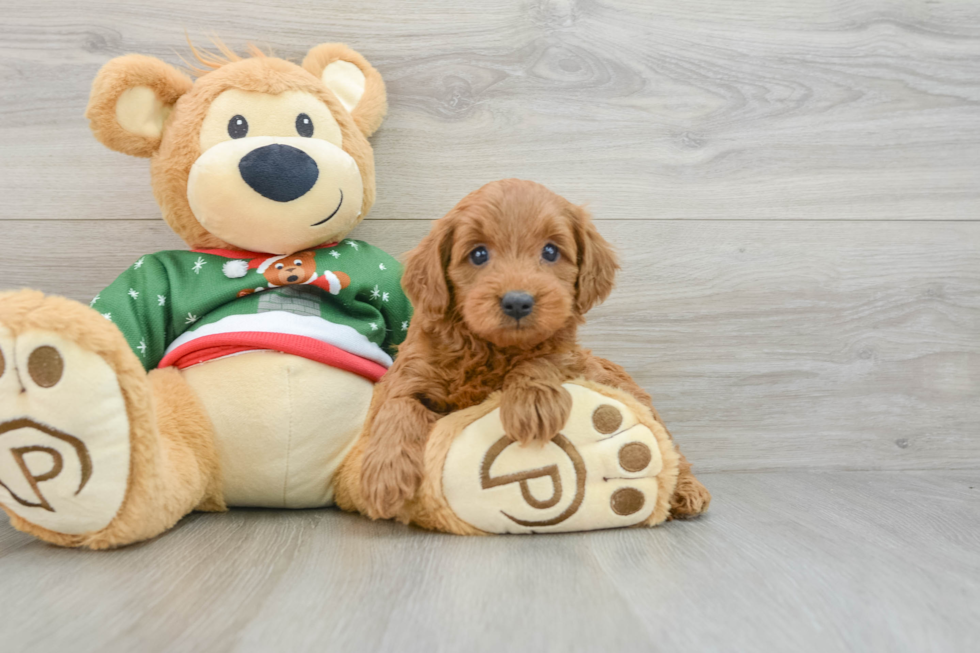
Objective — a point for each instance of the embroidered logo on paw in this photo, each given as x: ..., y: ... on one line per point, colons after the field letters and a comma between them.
x: 64, y: 433
x: 45, y: 367
x: 28, y: 459
x: 599, y: 472
x: 523, y: 478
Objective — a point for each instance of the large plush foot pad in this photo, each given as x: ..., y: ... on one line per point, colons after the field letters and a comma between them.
x: 611, y: 466
x: 64, y: 434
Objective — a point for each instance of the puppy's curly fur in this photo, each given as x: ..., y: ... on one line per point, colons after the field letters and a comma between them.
x: 462, y: 346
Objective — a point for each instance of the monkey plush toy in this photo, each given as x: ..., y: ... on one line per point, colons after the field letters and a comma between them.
x: 237, y: 372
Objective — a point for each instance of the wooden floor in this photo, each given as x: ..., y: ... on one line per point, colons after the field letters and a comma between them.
x: 794, y: 187
x: 789, y: 561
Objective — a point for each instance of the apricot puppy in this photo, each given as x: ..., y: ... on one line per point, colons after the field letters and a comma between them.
x: 499, y: 286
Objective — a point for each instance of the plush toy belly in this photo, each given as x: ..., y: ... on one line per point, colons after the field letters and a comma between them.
x: 282, y: 425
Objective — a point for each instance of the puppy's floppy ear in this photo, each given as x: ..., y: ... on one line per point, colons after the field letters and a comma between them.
x: 353, y: 80
x: 426, y: 266
x: 597, y: 263
x: 131, y: 98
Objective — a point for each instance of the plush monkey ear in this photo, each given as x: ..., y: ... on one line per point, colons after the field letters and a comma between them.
x: 424, y: 278
x: 130, y: 101
x: 597, y: 263
x: 353, y: 80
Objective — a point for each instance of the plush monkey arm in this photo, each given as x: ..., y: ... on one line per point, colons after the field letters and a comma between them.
x: 396, y: 309
x: 140, y: 302
x: 161, y: 296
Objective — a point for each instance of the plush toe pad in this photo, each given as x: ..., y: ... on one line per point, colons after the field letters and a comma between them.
x: 64, y: 434
x: 599, y: 472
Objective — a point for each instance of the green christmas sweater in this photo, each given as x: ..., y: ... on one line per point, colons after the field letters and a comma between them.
x: 340, y: 304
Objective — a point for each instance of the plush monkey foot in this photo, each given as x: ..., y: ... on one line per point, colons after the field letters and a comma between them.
x: 611, y: 466
x: 64, y: 430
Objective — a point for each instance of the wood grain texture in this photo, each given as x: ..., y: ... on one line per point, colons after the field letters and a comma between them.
x: 873, y: 561
x: 793, y: 187
x: 766, y: 345
x: 829, y: 109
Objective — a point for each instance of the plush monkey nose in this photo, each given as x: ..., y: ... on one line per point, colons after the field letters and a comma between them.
x: 517, y: 304
x: 282, y: 173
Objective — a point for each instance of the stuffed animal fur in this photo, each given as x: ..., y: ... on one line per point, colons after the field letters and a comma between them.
x: 236, y: 373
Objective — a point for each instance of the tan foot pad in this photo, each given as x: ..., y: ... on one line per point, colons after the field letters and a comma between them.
x: 611, y: 466
x: 64, y: 434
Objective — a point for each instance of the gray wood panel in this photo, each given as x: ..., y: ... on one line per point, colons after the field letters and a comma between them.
x: 877, y: 561
x: 793, y: 186
x: 766, y: 345
x: 829, y: 109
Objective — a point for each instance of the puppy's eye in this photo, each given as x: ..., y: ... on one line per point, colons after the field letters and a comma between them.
x: 479, y: 256
x: 304, y: 126
x: 237, y: 127
x: 550, y: 253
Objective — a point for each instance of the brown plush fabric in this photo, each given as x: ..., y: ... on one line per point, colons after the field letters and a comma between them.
x: 178, y: 149
x: 373, y: 105
x: 461, y: 348
x: 173, y: 465
x: 120, y: 75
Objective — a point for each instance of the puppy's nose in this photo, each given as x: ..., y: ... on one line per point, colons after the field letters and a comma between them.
x: 517, y: 304
x: 282, y: 173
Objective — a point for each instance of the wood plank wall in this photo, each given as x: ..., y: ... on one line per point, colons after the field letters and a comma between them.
x: 794, y: 187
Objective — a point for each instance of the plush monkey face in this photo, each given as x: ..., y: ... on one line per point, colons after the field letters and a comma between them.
x: 258, y: 154
x: 292, y: 269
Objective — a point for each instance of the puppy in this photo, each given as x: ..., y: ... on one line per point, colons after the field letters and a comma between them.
x: 500, y: 286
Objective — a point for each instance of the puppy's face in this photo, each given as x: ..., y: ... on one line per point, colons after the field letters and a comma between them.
x: 514, y: 272
x: 518, y: 262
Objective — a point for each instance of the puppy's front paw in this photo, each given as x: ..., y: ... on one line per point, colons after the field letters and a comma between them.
x: 389, y: 477
x: 535, y: 412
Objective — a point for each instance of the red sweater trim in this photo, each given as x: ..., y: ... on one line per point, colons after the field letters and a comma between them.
x: 240, y: 253
x: 208, y: 348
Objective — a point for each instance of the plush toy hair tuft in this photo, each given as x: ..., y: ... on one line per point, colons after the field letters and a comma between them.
x: 214, y: 60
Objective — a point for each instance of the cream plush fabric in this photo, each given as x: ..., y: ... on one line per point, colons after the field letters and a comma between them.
x: 275, y: 446
x: 612, y: 465
x: 65, y: 434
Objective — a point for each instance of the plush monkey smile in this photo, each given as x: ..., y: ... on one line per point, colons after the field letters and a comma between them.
x: 275, y: 217
x: 341, y: 203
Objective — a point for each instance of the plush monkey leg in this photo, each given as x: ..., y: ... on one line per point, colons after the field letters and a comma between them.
x: 612, y: 465
x: 94, y: 452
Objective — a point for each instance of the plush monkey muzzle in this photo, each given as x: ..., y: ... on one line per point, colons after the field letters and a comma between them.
x: 279, y: 195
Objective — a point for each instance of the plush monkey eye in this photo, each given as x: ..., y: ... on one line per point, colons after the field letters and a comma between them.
x: 279, y: 266
x: 237, y: 127
x: 304, y: 126
x: 479, y: 256
x: 550, y: 253
x: 298, y: 262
